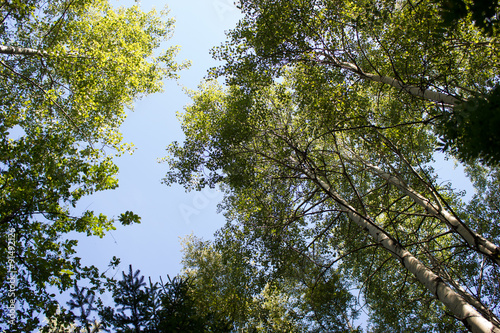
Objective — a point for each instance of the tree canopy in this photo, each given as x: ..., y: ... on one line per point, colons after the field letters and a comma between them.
x: 230, y: 282
x: 402, y: 45
x: 320, y: 127
x: 323, y: 140
x: 168, y: 306
x: 68, y: 71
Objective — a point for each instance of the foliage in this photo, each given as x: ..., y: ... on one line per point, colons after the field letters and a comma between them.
x: 229, y: 283
x: 161, y: 307
x: 83, y: 300
x: 132, y: 301
x: 483, y: 12
x: 470, y: 131
x: 178, y: 312
x: 402, y: 45
x: 323, y: 141
x: 68, y: 69
x: 291, y: 215
x: 61, y: 323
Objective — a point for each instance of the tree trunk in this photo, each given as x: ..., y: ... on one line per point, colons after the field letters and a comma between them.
x: 6, y: 49
x: 474, y: 240
x: 471, y: 318
x: 412, y: 90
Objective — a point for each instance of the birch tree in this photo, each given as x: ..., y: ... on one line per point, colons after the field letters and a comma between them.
x: 68, y: 71
x: 397, y: 44
x: 324, y: 139
x: 295, y: 187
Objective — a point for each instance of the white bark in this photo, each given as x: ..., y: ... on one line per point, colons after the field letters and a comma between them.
x: 451, y: 299
x: 472, y: 238
x: 6, y: 49
x: 412, y: 90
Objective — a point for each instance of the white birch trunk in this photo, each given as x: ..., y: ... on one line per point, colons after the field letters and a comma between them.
x: 474, y: 240
x: 412, y: 90
x: 6, y: 49
x: 473, y: 320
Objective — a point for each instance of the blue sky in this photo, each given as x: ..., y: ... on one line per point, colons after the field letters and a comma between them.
x: 167, y: 213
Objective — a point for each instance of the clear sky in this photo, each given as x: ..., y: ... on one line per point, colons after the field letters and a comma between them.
x: 168, y: 213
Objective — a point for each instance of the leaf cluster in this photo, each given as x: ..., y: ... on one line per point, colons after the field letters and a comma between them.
x: 470, y: 130
x: 484, y: 13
